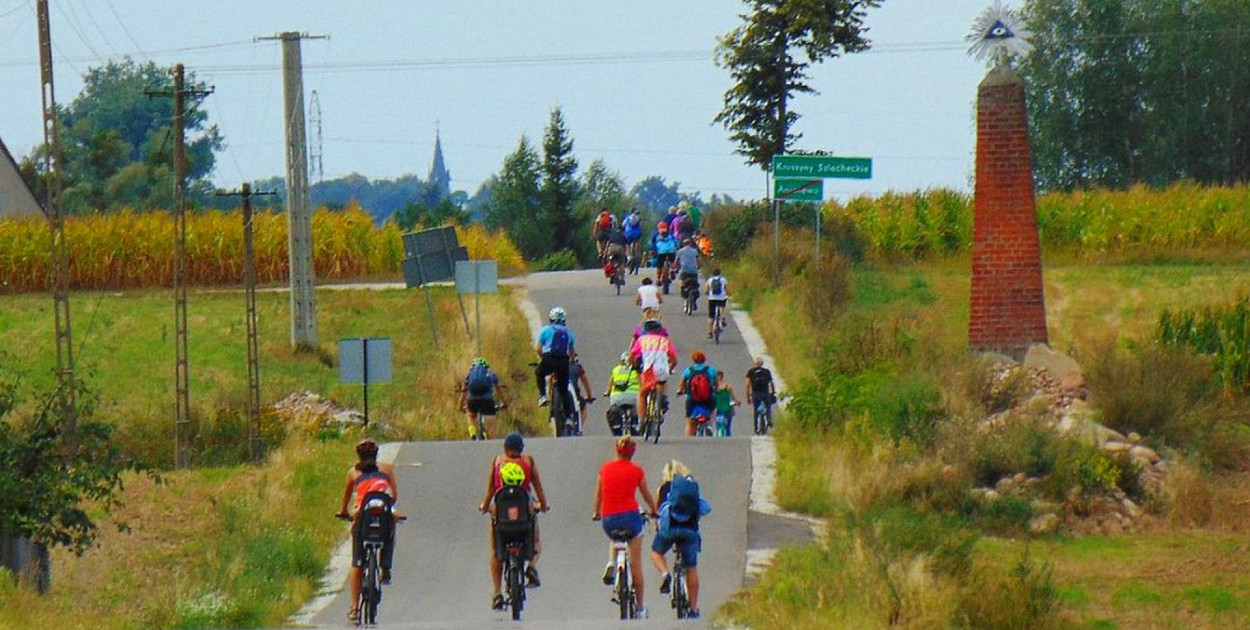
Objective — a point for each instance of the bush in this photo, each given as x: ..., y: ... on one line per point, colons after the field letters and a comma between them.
x: 1023, y: 445
x: 1144, y: 390
x: 1216, y: 435
x: 563, y: 260
x: 1026, y: 600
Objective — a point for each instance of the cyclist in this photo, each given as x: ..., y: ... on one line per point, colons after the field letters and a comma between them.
x: 760, y: 388
x: 554, y: 348
x: 696, y: 217
x: 641, y: 327
x: 513, y: 469
x: 581, y: 386
x: 665, y: 247
x: 725, y: 400
x: 704, y: 242
x: 633, y: 233
x: 681, y: 506
x: 614, y: 250
x: 687, y: 263
x: 599, y: 229
x: 648, y: 296
x: 616, y: 504
x: 367, y: 477
x: 622, y: 390
x: 697, y: 383
x: 717, y: 291
x: 683, y: 226
x: 654, y: 356
x: 477, y: 396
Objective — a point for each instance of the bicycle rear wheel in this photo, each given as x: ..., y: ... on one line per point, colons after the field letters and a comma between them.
x: 516, y: 587
x: 371, y: 591
x: 680, y: 602
x: 624, y: 594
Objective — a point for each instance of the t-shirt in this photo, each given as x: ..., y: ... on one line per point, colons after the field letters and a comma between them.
x: 759, y: 377
x: 620, y: 479
x: 656, y: 352
x: 548, y: 332
x: 665, y: 243
x: 650, y: 296
x: 711, y: 286
x: 724, y: 401
x: 688, y: 259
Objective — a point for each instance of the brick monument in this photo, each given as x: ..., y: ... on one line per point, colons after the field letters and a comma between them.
x: 1008, y: 305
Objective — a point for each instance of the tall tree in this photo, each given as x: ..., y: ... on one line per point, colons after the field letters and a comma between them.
x: 559, y: 188
x: 1128, y: 91
x: 116, y: 145
x: 657, y: 195
x: 515, y: 203
x: 768, y: 56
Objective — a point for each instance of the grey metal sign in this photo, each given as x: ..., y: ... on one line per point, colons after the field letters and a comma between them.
x: 366, y: 361
x: 477, y: 276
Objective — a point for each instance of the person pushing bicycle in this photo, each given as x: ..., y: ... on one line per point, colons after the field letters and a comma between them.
x: 365, y: 478
x: 513, y: 468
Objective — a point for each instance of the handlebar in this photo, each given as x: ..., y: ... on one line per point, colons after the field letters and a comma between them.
x: 399, y: 518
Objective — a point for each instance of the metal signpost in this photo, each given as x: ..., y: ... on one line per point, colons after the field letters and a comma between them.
x: 801, y: 178
x: 430, y: 256
x: 365, y: 360
x: 477, y: 277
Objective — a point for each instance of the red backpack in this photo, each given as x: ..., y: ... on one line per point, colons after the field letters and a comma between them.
x: 699, y: 389
x: 605, y: 220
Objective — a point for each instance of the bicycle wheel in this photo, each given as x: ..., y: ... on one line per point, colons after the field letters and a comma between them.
x: 624, y: 594
x: 371, y: 591
x: 557, y: 412
x: 680, y: 602
x: 516, y: 587
x: 761, y: 420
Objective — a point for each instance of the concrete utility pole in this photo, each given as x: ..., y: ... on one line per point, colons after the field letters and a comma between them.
x: 253, y: 352
x: 182, y: 378
x: 299, y: 213
x: 66, y: 383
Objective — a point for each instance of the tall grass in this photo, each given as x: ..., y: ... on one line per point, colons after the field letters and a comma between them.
x: 131, y: 249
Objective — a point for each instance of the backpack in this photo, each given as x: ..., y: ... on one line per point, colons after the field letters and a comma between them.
x: 760, y: 378
x: 686, y: 224
x: 683, y: 501
x: 559, y: 341
x: 479, y: 382
x: 717, y: 285
x: 700, y: 386
x: 605, y: 220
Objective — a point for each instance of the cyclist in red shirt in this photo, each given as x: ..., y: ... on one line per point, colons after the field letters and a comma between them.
x: 616, y: 503
x: 366, y: 477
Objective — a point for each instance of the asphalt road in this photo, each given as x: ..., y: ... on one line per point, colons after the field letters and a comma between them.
x: 441, y: 577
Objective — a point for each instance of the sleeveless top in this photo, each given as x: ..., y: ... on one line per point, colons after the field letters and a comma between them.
x: 526, y: 464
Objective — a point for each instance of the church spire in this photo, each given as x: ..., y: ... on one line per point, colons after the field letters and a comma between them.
x: 439, y: 179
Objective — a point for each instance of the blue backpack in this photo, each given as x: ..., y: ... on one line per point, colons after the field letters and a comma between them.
x: 683, y: 501
x: 559, y: 341
x: 480, y: 381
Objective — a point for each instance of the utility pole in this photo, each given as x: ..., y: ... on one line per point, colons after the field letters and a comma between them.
x: 66, y: 384
x: 249, y: 290
x: 299, y: 214
x: 314, y: 148
x: 182, y: 378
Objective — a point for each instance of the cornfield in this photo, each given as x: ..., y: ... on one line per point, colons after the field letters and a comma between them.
x: 1222, y: 332
x: 135, y: 249
x: 919, y: 225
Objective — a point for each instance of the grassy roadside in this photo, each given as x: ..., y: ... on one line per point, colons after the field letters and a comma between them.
x: 227, y: 544
x: 893, y: 559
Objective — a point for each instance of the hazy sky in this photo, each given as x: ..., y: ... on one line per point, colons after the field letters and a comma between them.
x: 636, y: 82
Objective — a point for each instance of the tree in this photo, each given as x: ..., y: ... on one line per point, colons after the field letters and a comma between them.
x: 515, y: 203
x: 656, y: 195
x: 768, y: 57
x: 112, y: 126
x: 1128, y: 91
x: 444, y: 212
x: 559, y: 187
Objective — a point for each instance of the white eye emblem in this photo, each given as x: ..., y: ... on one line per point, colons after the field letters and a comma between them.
x: 998, y: 34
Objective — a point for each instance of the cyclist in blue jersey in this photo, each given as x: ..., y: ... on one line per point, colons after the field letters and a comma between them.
x: 664, y: 245
x: 554, y: 348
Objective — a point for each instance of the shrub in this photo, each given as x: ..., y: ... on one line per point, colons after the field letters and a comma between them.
x: 1144, y: 390
x: 1216, y: 435
x: 563, y: 260
x: 1026, y: 600
x: 1022, y: 445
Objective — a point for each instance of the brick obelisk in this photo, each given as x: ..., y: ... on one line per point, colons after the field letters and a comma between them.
x: 1008, y: 304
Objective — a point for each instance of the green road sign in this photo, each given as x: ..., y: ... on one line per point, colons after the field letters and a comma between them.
x: 824, y: 166
x: 791, y: 189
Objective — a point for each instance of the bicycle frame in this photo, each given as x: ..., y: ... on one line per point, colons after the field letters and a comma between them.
x: 624, y: 580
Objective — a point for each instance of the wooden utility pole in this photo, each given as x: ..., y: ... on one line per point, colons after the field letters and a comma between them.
x: 299, y: 212
x: 182, y: 378
x: 66, y: 383
x: 253, y: 353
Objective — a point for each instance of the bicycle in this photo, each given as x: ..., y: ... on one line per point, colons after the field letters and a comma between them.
x: 763, y: 414
x: 623, y: 419
x: 652, y: 419
x: 678, y: 595
x: 623, y: 594
x: 618, y: 277
x: 702, y: 418
x: 718, y: 324
x: 514, y: 530
x: 690, y: 294
x: 376, y: 519
x: 478, y: 430
x: 562, y: 424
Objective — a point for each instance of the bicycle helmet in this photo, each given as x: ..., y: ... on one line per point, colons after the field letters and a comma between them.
x: 514, y: 442
x: 626, y: 446
x: 556, y: 314
x: 624, y: 357
x: 652, y: 324
x: 480, y: 361
x: 511, y: 474
x: 367, y: 448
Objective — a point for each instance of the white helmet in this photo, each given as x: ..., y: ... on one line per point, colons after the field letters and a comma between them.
x: 624, y: 357
x: 556, y: 314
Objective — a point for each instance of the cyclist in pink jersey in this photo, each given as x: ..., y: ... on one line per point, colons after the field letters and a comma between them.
x: 656, y: 358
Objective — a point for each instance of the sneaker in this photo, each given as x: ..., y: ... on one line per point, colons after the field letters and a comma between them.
x: 531, y: 577
x: 709, y: 335
x: 496, y: 603
x: 641, y: 613
x: 542, y: 401
x: 694, y: 614
x: 609, y: 575
x: 386, y: 576
x: 664, y: 404
x: 666, y: 584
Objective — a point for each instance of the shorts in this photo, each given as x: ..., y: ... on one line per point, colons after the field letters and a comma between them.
x: 482, y: 406
x: 629, y: 522
x: 664, y: 260
x: 649, y: 380
x: 602, y: 236
x: 687, y: 541
x: 715, y: 306
x: 708, y: 406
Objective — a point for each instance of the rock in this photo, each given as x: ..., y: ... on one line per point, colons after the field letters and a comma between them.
x: 1131, y: 508
x: 1116, y: 446
x: 1020, y: 478
x: 1005, y: 485
x: 990, y: 496
x: 1112, y: 528
x: 1044, y: 524
x: 1134, y: 437
x: 1144, y: 453
x: 1059, y: 365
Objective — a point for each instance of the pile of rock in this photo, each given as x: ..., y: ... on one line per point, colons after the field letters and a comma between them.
x: 1057, y: 388
x: 313, y: 413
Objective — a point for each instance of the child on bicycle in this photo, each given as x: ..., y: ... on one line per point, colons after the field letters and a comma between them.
x: 726, y: 400
x: 367, y: 477
x: 531, y: 483
x: 681, y: 506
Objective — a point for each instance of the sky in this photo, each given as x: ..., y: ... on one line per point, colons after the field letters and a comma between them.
x: 636, y: 82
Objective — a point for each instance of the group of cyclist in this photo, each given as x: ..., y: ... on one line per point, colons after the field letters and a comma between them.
x: 617, y: 239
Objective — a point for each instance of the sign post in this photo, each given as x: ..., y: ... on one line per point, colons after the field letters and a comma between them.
x: 365, y: 360
x: 477, y: 277
x: 801, y: 178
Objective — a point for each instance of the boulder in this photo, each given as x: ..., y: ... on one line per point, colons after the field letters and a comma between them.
x: 1144, y: 453
x: 1044, y: 524
x: 1059, y: 365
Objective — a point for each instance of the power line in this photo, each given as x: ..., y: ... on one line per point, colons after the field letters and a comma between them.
x: 125, y: 29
